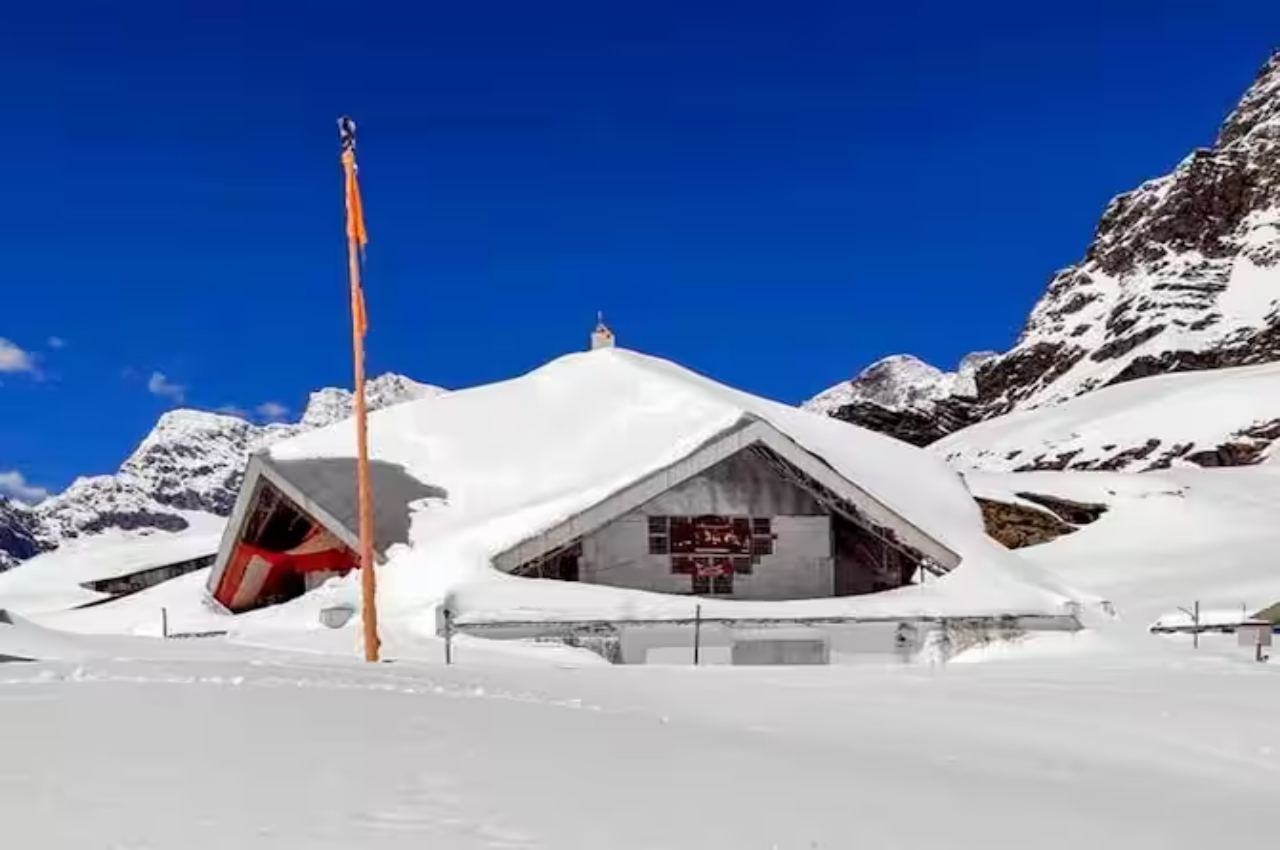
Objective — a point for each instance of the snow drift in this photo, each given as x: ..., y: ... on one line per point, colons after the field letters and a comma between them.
x: 1146, y: 424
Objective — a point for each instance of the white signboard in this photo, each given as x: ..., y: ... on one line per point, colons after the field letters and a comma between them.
x: 1254, y: 634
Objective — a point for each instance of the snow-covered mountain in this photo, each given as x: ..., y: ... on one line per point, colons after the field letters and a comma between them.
x: 906, y: 397
x: 190, y: 464
x: 1183, y: 274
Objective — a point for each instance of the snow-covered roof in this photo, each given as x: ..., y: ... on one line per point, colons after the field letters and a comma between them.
x: 54, y: 580
x: 507, y: 461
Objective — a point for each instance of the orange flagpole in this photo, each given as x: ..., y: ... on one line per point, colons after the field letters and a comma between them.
x: 356, y: 240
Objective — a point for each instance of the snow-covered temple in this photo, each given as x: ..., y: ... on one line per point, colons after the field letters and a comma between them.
x: 613, y: 485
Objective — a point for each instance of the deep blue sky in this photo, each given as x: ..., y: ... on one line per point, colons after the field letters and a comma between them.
x: 773, y: 196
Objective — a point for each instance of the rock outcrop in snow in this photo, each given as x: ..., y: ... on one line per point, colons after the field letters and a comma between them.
x: 190, y: 463
x: 906, y: 398
x: 18, y: 533
x: 1183, y: 274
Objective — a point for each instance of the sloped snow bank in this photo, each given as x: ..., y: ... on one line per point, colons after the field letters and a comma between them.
x: 1168, y: 539
x: 1128, y: 426
x: 250, y: 748
x: 22, y: 640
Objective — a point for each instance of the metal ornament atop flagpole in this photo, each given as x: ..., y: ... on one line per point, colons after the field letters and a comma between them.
x: 357, y: 238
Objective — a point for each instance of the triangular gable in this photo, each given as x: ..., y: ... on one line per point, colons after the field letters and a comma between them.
x: 324, y: 489
x: 749, y: 431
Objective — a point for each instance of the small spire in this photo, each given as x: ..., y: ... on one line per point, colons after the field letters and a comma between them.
x: 601, y: 337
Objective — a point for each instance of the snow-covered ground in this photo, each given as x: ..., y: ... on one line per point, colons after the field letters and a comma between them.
x: 1189, y: 411
x: 1168, y: 538
x: 147, y: 744
x: 275, y: 735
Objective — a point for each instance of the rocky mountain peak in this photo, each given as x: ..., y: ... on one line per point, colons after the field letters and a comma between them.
x: 903, y: 381
x: 1259, y: 111
x: 1183, y: 274
x: 191, y: 460
x: 333, y: 404
x: 906, y: 397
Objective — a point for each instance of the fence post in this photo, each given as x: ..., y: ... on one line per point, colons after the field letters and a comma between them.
x: 164, y: 623
x: 697, y: 633
x: 1195, y: 640
x: 448, y: 636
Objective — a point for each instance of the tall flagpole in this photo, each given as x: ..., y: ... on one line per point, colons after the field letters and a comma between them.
x: 356, y: 240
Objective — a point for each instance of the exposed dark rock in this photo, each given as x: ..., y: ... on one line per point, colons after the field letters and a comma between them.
x: 1126, y: 457
x: 1229, y: 454
x: 1000, y: 381
x: 910, y: 426
x: 1049, y: 464
x: 1166, y: 460
x: 1076, y: 513
x: 18, y: 536
x: 1077, y: 302
x: 1016, y: 526
x: 1247, y: 446
x: 1124, y: 345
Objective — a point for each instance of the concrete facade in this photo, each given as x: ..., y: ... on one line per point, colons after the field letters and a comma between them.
x: 800, y: 566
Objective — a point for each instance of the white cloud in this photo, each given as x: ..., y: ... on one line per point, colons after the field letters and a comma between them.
x: 272, y: 410
x: 57, y: 342
x: 233, y: 410
x: 159, y: 385
x: 14, y: 359
x: 14, y: 483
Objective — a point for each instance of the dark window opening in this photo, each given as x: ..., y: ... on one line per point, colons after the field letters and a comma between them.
x: 869, y: 561
x: 564, y: 564
x: 277, y: 524
x: 659, y: 536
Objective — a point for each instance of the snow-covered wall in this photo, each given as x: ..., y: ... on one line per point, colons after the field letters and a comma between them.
x: 741, y: 486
